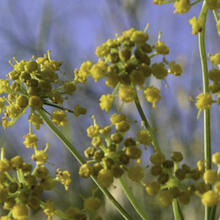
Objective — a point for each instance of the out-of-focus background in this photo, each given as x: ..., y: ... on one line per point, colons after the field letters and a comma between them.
x: 72, y: 30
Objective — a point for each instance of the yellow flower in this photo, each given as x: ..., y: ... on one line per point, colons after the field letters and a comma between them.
x: 106, y: 102
x: 152, y: 95
x: 58, y: 117
x: 30, y: 140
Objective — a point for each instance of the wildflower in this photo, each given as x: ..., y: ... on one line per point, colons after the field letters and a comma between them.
x: 30, y: 140
x: 116, y: 118
x: 157, y: 158
x: 64, y: 178
x: 196, y: 25
x: 58, y: 117
x: 175, y: 68
x: 136, y: 173
x: 139, y: 37
x: 85, y: 170
x: 216, y: 158
x: 49, y: 208
x: 16, y: 162
x: 133, y: 152
x: 98, y: 70
x: 35, y: 119
x: 177, y: 156
x: 105, y: 177
x: 214, y: 75
x: 4, y: 165
x: 35, y: 102
x: 144, y: 137
x: 210, y: 198
x: 210, y: 176
x: 20, y: 211
x: 182, y: 6
x: 215, y: 59
x: 78, y: 110
x: 161, y: 48
x: 152, y: 188
x: 159, y: 70
x: 22, y: 101
x: 93, y: 130
x: 92, y: 203
x: 152, y: 95
x: 122, y: 126
x: 106, y: 102
x: 69, y: 87
x: 203, y: 102
x: 165, y: 198
x: 126, y: 93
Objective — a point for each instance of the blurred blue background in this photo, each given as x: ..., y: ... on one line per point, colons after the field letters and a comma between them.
x: 72, y: 30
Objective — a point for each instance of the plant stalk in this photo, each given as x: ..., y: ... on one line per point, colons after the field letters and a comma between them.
x: 146, y: 123
x: 207, y: 123
x: 132, y: 200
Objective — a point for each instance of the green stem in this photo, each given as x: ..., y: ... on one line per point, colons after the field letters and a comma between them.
x: 81, y: 161
x: 146, y: 123
x: 132, y: 200
x: 213, y: 209
x: 177, y: 211
x: 207, y: 123
x: 215, y: 13
x: 195, y: 2
x: 59, y: 107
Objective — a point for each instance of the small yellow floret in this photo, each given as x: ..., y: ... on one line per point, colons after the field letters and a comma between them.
x: 216, y: 158
x: 210, y: 198
x: 152, y: 95
x: 98, y: 70
x: 64, y: 178
x: 144, y: 137
x: 106, y: 102
x: 58, y: 117
x: 196, y: 25
x: 20, y: 211
x: 182, y: 6
x: 215, y: 59
x: 136, y: 173
x: 126, y: 93
x: 203, y: 102
x: 105, y: 177
x: 210, y: 176
x: 92, y: 203
x: 30, y: 140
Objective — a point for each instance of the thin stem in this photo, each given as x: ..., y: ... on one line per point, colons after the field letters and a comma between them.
x: 195, y: 2
x: 215, y: 13
x: 81, y: 161
x: 59, y: 107
x: 146, y: 123
x: 177, y: 211
x: 60, y: 135
x: 207, y: 123
x: 132, y: 200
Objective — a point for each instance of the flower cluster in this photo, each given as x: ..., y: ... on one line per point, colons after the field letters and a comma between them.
x: 22, y: 187
x: 34, y: 83
x: 126, y: 62
x: 183, y: 182
x: 111, y: 151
